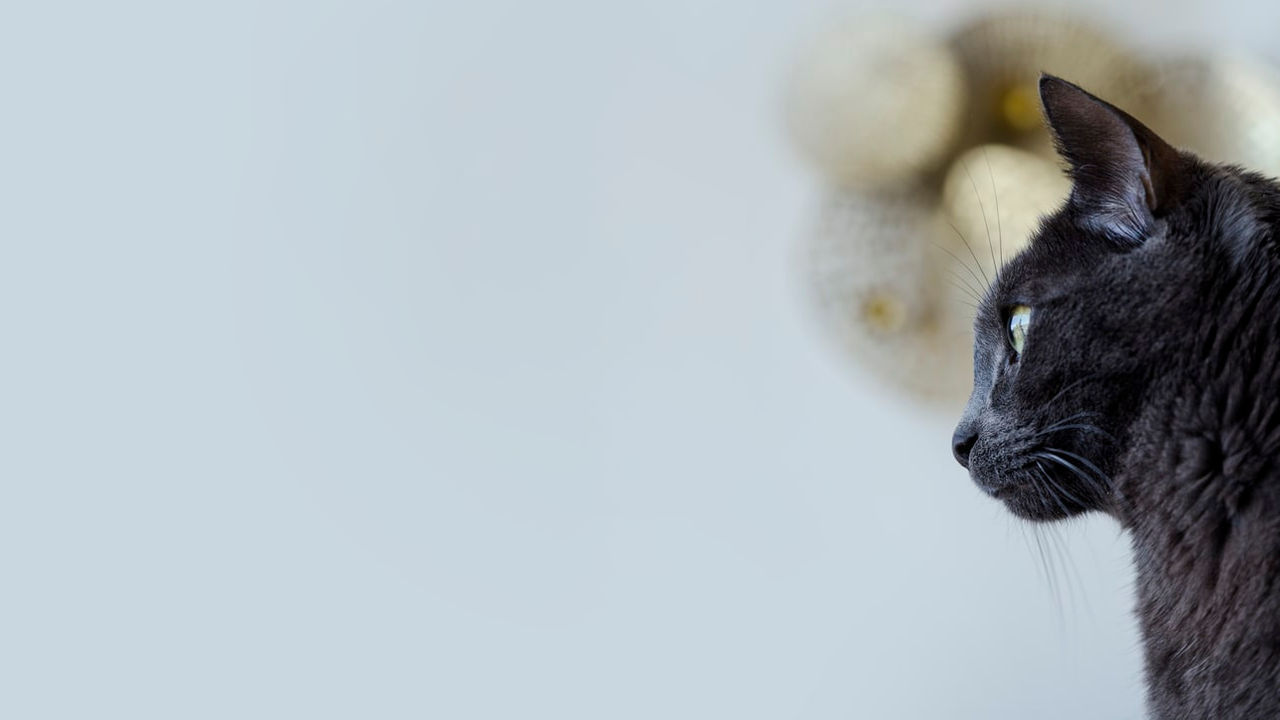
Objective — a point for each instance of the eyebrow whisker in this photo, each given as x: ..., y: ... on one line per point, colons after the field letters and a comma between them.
x: 982, y: 207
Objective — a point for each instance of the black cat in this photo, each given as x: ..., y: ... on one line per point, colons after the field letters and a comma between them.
x: 1128, y: 361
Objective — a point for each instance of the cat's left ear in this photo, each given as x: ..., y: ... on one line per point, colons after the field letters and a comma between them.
x: 1124, y: 175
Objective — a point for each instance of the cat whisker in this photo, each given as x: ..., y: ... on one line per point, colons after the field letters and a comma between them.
x: 1094, y: 485
x: 1061, y: 490
x: 1070, y: 386
x: 1079, y: 416
x: 996, y: 196
x: 1044, y: 562
x: 971, y: 253
x: 1073, y: 422
x: 1087, y: 463
x: 1076, y: 426
x: 982, y: 207
x: 1069, y: 570
x: 963, y: 264
x: 1070, y: 423
x: 962, y: 289
x: 973, y: 292
x: 1046, y: 559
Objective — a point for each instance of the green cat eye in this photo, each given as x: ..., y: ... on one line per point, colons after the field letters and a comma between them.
x: 1019, y: 319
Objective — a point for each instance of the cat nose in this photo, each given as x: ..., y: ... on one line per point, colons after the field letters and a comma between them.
x: 962, y: 442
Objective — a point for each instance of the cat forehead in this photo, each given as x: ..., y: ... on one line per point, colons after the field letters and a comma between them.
x: 1060, y: 248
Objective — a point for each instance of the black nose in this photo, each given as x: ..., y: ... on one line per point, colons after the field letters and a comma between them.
x: 961, y: 443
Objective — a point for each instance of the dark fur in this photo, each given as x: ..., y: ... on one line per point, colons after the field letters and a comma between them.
x: 1155, y: 343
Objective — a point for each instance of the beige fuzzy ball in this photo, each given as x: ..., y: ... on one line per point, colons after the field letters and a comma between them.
x: 875, y: 102
x: 1003, y: 55
x: 993, y: 198
x: 1224, y: 108
x: 874, y: 268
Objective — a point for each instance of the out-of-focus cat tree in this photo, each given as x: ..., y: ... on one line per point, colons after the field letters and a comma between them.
x: 936, y: 165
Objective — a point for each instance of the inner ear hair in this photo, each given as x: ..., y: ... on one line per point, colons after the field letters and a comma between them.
x: 1148, y: 187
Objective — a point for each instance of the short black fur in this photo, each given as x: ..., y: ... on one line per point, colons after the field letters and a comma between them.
x: 1148, y: 388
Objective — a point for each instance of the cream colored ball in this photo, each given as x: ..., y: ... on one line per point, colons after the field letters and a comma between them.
x: 1003, y: 54
x: 873, y: 267
x: 1225, y: 108
x: 993, y: 198
x: 875, y: 102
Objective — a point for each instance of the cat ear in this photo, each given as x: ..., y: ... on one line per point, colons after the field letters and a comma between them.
x: 1125, y: 175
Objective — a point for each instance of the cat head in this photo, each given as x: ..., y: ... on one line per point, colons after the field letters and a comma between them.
x: 1088, y: 325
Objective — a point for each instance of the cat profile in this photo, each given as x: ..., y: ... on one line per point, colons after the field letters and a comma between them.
x: 1127, y: 362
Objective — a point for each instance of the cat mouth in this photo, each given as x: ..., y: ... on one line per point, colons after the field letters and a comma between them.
x: 992, y: 483
x: 1002, y: 493
x: 1025, y: 498
x: 1015, y: 494
x: 995, y: 490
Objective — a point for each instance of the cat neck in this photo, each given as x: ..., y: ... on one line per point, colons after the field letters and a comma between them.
x: 1203, y: 511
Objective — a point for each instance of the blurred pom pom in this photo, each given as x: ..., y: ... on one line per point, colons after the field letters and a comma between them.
x: 1226, y: 109
x: 993, y: 197
x: 875, y: 103
x: 1003, y: 55
x: 874, y: 269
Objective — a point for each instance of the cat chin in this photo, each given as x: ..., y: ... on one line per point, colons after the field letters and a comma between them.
x: 1023, y: 495
x: 1027, y: 504
x: 1034, y: 511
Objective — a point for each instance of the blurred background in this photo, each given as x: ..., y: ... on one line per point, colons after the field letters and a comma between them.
x: 492, y: 360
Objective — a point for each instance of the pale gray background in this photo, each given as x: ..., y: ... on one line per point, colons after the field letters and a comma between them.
x: 404, y: 360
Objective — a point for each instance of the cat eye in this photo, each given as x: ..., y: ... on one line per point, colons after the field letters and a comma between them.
x: 1019, y: 319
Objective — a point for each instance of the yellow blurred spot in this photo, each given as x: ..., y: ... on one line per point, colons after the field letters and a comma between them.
x: 1020, y: 108
x: 884, y: 312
